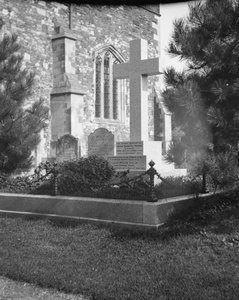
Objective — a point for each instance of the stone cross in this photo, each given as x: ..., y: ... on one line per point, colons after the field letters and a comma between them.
x: 137, y: 70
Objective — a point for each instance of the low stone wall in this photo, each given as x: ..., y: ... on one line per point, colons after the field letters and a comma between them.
x: 106, y: 211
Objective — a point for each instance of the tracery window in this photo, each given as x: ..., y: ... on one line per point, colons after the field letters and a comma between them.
x: 98, y: 87
x: 106, y: 86
x: 110, y: 93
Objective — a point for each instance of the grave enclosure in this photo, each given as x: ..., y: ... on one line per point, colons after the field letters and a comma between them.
x: 65, y: 47
x: 132, y: 214
x: 135, y: 154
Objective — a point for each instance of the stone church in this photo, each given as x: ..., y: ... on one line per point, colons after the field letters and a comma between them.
x: 72, y: 49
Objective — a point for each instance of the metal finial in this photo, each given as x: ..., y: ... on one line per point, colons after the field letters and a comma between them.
x: 151, y: 163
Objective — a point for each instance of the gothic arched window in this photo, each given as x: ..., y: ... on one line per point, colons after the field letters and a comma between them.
x: 110, y: 93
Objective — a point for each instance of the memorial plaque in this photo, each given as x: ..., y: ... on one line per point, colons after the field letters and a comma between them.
x: 129, y: 148
x: 132, y: 163
x: 101, y: 142
x: 67, y: 148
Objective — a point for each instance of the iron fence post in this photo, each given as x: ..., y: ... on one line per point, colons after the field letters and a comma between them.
x: 55, y: 174
x: 152, y: 172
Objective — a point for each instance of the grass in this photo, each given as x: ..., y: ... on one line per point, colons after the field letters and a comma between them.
x: 195, y: 256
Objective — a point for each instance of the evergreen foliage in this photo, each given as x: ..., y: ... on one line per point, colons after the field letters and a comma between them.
x: 204, y: 98
x: 20, y: 121
x: 84, y: 175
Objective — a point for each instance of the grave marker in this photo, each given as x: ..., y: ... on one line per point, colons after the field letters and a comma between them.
x: 129, y: 148
x: 101, y: 142
x: 132, y: 163
x: 137, y: 70
x: 139, y: 151
x: 67, y: 148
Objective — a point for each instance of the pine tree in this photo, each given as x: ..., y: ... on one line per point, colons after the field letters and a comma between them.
x: 204, y: 98
x: 20, y: 121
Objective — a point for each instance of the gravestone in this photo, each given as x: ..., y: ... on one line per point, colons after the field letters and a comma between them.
x: 101, y: 142
x: 129, y: 156
x: 129, y: 148
x: 137, y: 70
x: 132, y: 163
x: 67, y: 148
x: 136, y: 154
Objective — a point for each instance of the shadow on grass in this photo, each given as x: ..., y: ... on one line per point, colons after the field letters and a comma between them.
x: 218, y: 214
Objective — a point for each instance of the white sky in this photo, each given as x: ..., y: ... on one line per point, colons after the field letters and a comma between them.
x: 170, y: 12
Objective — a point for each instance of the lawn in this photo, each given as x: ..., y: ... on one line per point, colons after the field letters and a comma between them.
x: 192, y: 257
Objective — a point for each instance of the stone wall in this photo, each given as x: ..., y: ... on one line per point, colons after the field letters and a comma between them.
x: 34, y: 22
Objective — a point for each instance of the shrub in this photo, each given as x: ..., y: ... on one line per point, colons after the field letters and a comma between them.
x: 135, y: 188
x: 45, y: 187
x: 138, y: 188
x: 84, y: 175
x: 95, y: 177
x: 19, y: 184
x: 177, y: 186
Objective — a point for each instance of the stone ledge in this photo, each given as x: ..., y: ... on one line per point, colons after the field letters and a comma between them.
x: 67, y: 90
x: 129, y: 213
x: 65, y: 35
x: 14, y: 214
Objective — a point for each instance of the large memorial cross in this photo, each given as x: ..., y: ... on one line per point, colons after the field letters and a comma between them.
x: 137, y: 70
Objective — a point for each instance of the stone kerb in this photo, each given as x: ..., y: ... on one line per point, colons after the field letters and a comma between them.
x: 108, y: 211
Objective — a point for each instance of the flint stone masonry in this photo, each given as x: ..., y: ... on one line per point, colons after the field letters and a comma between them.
x: 35, y: 23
